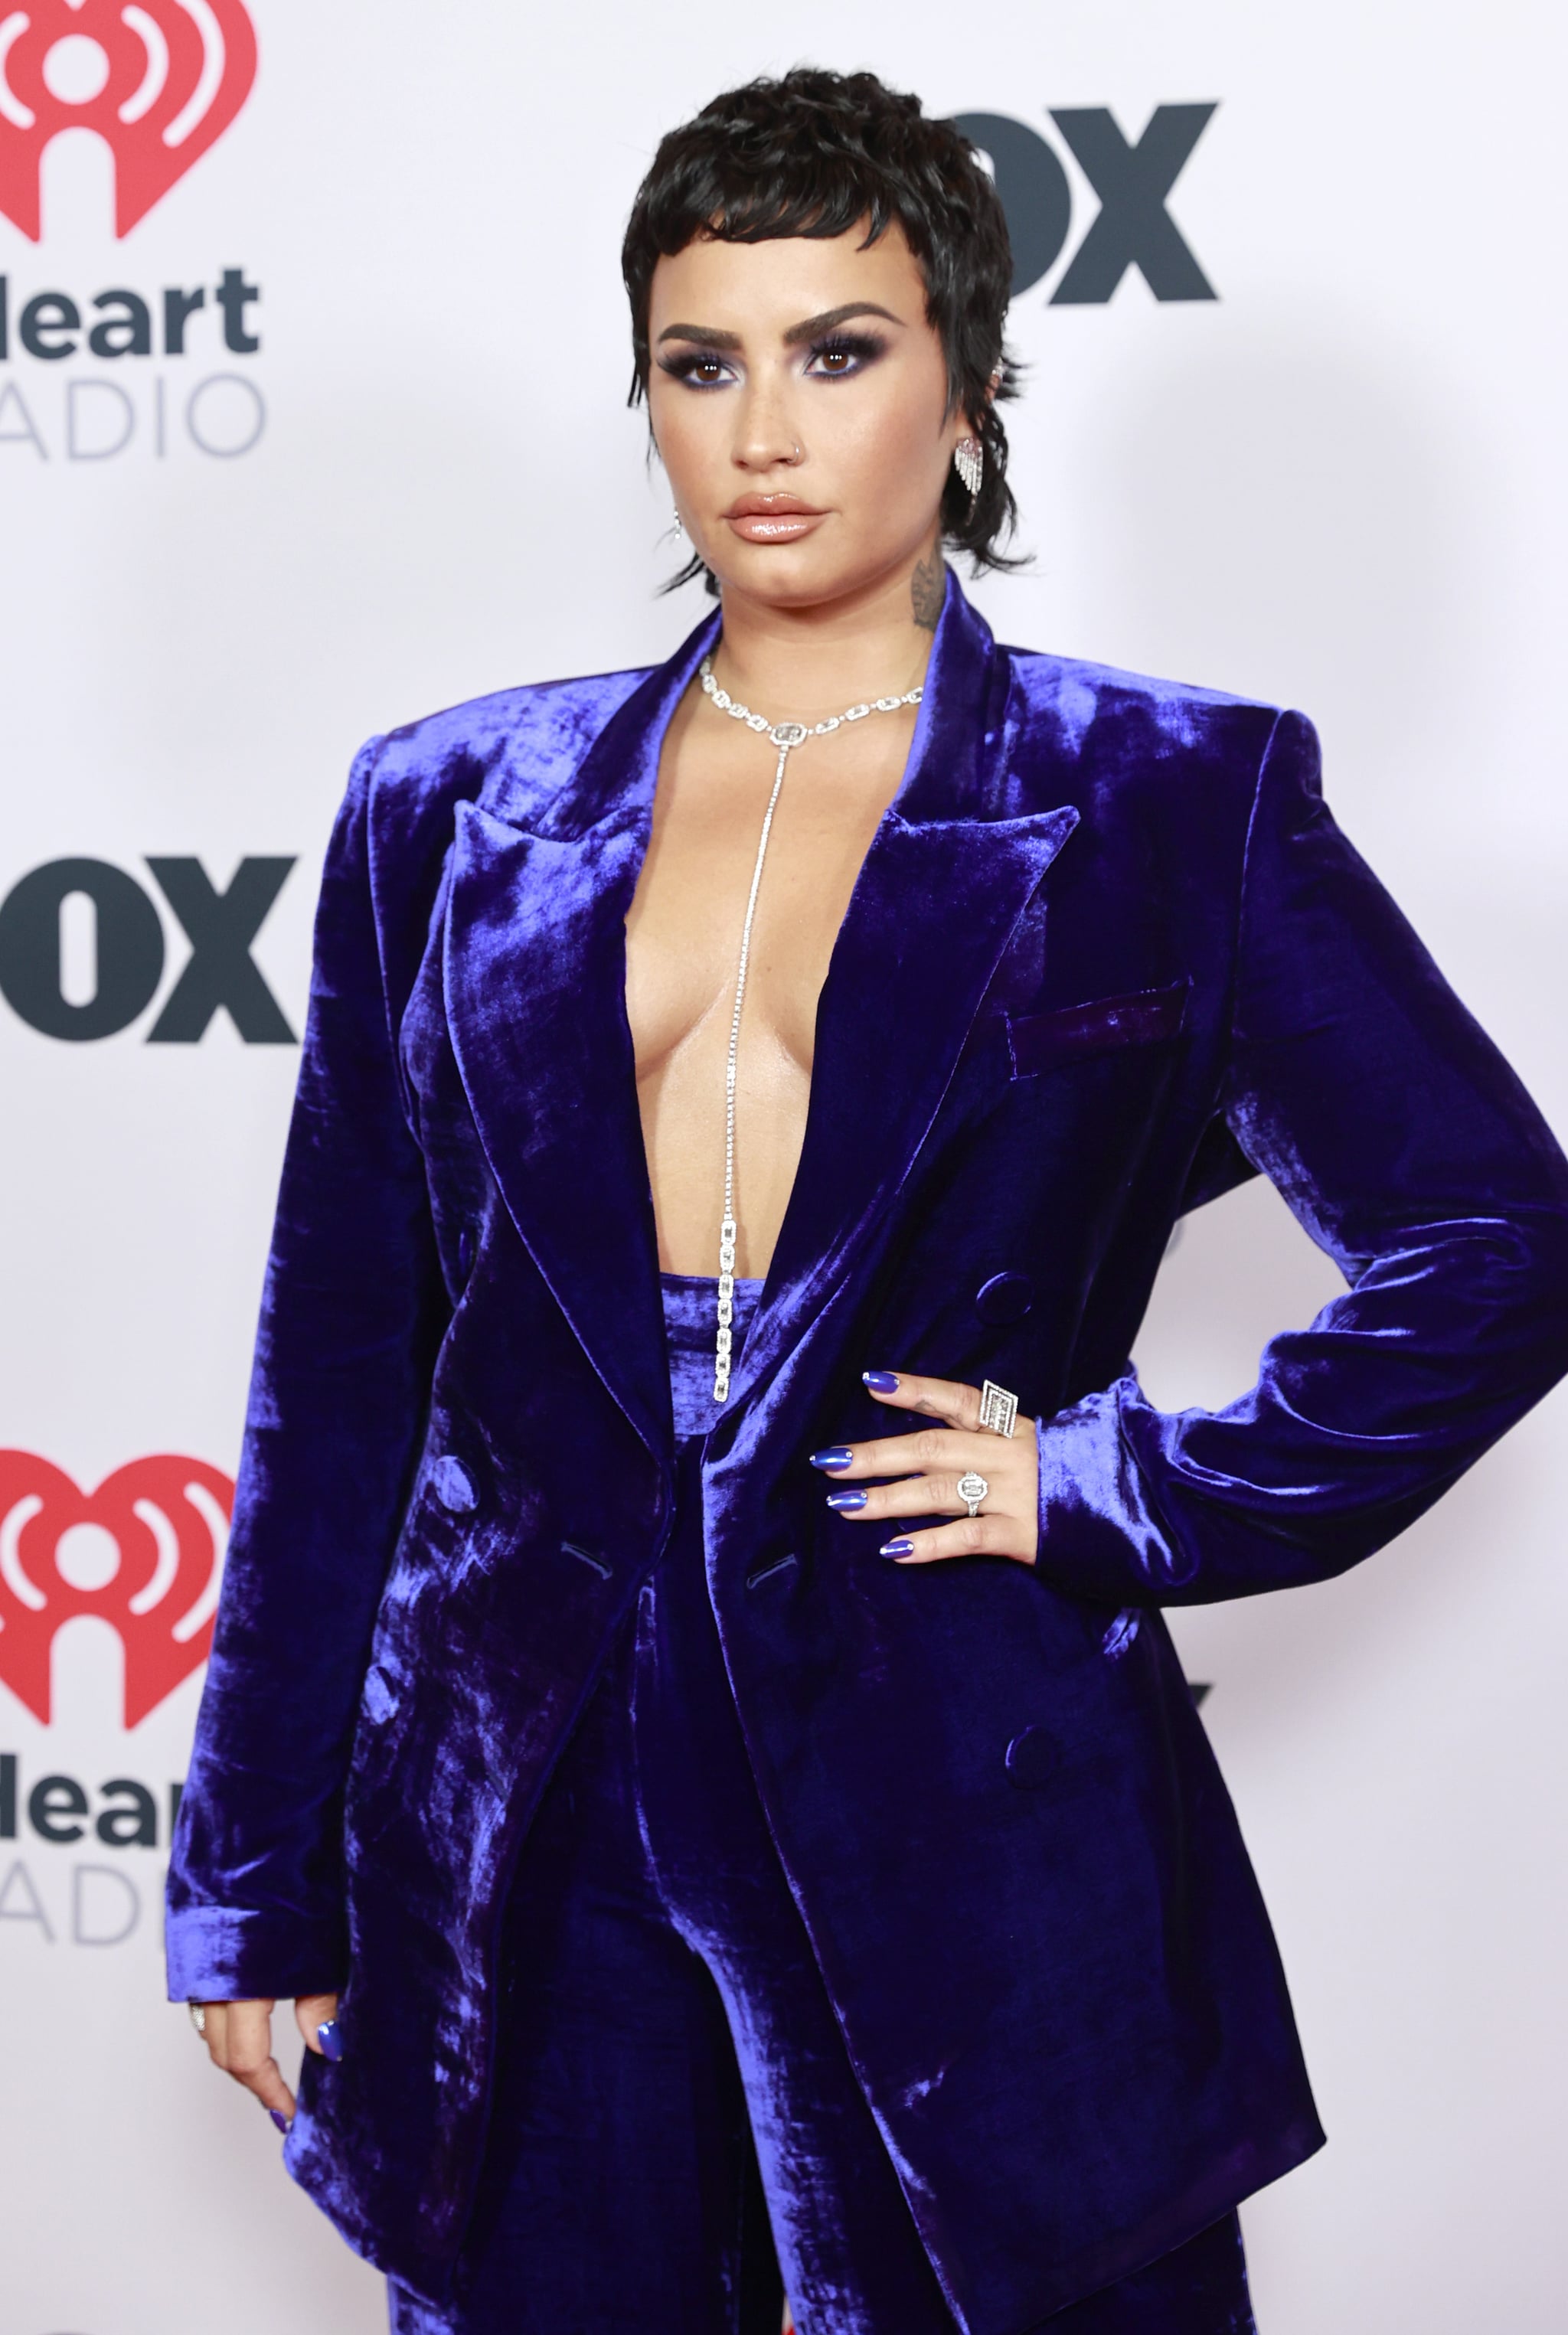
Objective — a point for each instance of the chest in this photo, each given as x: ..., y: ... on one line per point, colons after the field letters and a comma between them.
x: 684, y: 931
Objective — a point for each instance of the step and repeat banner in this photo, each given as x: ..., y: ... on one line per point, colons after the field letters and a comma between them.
x: 312, y: 364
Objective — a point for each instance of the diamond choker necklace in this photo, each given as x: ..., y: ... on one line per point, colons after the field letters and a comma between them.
x: 786, y: 736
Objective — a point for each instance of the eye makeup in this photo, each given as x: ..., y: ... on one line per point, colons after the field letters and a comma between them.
x: 697, y: 368
x: 837, y: 356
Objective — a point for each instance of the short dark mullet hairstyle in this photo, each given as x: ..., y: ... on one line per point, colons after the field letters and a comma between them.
x: 813, y: 154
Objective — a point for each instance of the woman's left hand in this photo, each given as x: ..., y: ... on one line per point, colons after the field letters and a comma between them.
x: 930, y: 1462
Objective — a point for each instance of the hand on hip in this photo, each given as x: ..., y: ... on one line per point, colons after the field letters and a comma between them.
x: 988, y: 1483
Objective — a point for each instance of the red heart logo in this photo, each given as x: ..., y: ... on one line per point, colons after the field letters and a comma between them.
x: 159, y: 82
x: 143, y: 1553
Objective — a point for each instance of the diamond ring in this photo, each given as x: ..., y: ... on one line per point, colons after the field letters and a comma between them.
x: 973, y: 1489
x: 198, y: 2016
x: 998, y: 1409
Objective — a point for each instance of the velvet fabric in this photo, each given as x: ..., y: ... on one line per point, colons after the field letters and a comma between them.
x: 691, y: 1324
x: 675, y: 2111
x: 1107, y: 955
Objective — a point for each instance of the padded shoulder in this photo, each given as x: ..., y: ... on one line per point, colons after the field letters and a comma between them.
x: 517, y: 745
x: 1075, y: 694
x: 1104, y: 738
x: 518, y: 748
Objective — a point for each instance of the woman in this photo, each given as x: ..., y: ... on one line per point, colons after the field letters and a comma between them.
x: 722, y: 1868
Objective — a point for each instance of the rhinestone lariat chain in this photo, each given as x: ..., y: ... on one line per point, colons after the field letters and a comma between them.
x: 785, y: 736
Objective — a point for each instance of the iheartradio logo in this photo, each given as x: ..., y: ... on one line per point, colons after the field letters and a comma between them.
x: 144, y: 1553
x: 159, y: 82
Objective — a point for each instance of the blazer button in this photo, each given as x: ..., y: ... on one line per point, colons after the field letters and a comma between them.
x: 1005, y: 1297
x: 453, y: 1485
x: 1031, y: 1758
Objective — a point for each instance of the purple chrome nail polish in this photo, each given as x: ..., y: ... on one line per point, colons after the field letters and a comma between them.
x: 837, y: 1455
x: 845, y: 1501
x: 331, y: 2042
x: 896, y: 1548
x: 279, y: 2120
x: 880, y: 1382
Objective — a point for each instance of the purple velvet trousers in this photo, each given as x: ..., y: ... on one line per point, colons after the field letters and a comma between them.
x: 679, y: 2137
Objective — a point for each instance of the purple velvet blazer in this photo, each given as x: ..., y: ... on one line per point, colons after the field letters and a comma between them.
x: 1108, y: 955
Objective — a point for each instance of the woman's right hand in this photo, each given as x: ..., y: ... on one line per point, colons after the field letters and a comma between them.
x: 239, y: 2037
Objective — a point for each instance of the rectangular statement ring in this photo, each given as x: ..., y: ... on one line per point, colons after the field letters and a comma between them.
x: 998, y: 1409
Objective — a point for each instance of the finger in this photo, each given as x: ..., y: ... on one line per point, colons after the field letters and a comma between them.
x: 239, y: 2032
x: 245, y: 2049
x: 928, y: 1495
x: 217, y: 2030
x: 932, y: 1450
x: 214, y: 2016
x: 311, y: 2013
x: 266, y: 2081
x: 955, y: 1404
x: 969, y: 1536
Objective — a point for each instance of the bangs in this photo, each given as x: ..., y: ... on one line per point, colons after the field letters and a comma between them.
x: 737, y: 207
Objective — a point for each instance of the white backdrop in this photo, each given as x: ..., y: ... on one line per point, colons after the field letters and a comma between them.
x: 1339, y: 485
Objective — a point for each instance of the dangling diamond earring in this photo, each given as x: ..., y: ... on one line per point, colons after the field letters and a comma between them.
x: 679, y: 529
x: 969, y: 461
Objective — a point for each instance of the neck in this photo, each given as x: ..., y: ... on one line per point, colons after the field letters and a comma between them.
x: 802, y: 664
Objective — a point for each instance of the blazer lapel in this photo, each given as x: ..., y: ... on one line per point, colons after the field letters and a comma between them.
x: 937, y: 897
x: 535, y: 992
x: 536, y: 977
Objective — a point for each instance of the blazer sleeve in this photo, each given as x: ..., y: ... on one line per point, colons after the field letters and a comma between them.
x: 351, y: 1310
x: 1410, y: 1152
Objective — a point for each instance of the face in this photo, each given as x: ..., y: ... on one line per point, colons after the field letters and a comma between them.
x: 798, y: 399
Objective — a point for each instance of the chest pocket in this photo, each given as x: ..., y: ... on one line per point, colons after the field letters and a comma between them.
x: 1145, y: 1017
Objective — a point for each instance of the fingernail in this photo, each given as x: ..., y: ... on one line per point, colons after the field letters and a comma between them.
x: 844, y: 1501
x: 880, y: 1382
x: 279, y: 2120
x: 837, y: 1455
x: 331, y: 2042
x: 896, y: 1548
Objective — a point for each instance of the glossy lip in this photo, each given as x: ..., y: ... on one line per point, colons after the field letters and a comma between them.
x: 773, y: 518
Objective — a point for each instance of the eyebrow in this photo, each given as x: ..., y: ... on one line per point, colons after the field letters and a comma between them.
x: 808, y: 330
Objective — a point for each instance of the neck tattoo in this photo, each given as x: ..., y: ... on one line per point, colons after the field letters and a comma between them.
x: 785, y: 736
